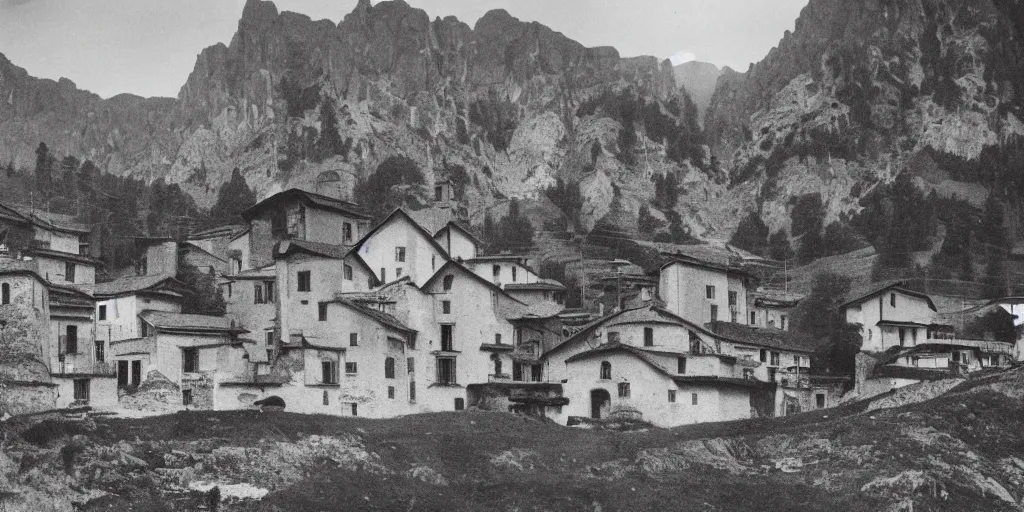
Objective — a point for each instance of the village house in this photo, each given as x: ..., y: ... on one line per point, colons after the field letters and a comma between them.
x: 704, y: 291
x: 398, y: 246
x: 771, y: 308
x: 298, y: 215
x: 457, y: 241
x: 648, y: 363
x: 906, y: 341
x: 80, y: 363
x: 503, y: 269
x: 26, y: 363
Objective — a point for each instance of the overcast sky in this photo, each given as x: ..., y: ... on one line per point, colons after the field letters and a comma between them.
x: 148, y: 47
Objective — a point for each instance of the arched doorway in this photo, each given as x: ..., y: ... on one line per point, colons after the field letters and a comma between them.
x: 600, y: 402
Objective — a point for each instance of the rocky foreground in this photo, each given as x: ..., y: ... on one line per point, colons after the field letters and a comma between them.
x: 963, y: 450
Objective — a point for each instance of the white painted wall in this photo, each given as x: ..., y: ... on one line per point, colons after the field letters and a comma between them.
x: 907, y: 309
x: 422, y: 259
x: 683, y: 288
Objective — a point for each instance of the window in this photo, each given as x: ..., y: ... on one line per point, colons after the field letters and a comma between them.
x: 72, y: 339
x: 764, y: 355
x: 82, y: 389
x: 398, y: 272
x: 680, y: 365
x: 305, y: 282
x: 613, y: 337
x: 329, y: 372
x: 447, y: 333
x: 496, y: 272
x: 355, y: 409
x: 733, y: 316
x: 269, y: 293
x: 606, y: 370
x: 410, y: 365
x: 346, y: 231
x: 819, y: 400
x: 446, y: 307
x: 536, y: 373
x: 327, y: 400
x: 229, y: 290
x: 695, y: 344
x: 144, y: 329
x: 351, y: 368
x: 672, y: 396
x: 102, y: 309
x: 693, y: 398
x: 296, y: 221
x: 186, y: 397
x: 732, y: 298
x: 517, y: 371
x: 448, y: 282
x: 100, y: 354
x: 389, y: 368
x: 714, y: 312
x: 648, y: 336
x: 391, y: 392
x: 353, y: 339
x: 514, y: 269
x: 796, y: 361
x: 190, y: 360
x: 348, y: 272
x: 445, y: 370
x: 269, y: 336
x: 136, y: 372
x: 69, y: 271
x: 775, y: 359
x: 400, y: 254
x: 438, y: 193
x: 892, y: 299
x: 753, y: 318
x: 383, y: 275
x: 709, y: 291
x: 321, y: 308
x: 257, y: 294
x: 623, y: 390
x: 460, y: 404
x: 433, y: 262
x: 782, y: 323
x: 412, y: 391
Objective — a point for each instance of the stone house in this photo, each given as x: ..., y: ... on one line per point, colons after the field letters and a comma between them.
x: 771, y: 309
x: 26, y: 384
x: 299, y: 215
x: 80, y: 363
x: 703, y: 291
x: 503, y: 269
x: 889, y: 315
x: 398, y: 246
x: 458, y: 241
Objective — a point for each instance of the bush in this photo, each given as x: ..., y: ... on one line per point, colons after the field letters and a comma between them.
x: 751, y: 235
x: 376, y: 191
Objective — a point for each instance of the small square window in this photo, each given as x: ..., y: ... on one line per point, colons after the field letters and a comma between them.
x: 497, y: 339
x: 391, y: 392
x: 353, y: 339
x: 348, y: 272
x: 305, y: 281
x: 351, y: 367
x: 400, y: 254
x: 709, y: 291
x: 460, y: 404
x: 623, y: 390
x: 186, y: 397
x: 398, y: 272
x: 103, y: 312
x: 322, y: 311
x: 693, y: 398
x: 448, y: 282
x: 446, y: 307
x: 355, y: 409
x: 672, y: 396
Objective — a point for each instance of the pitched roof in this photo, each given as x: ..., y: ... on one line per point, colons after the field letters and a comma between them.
x: 452, y: 224
x: 645, y: 356
x: 311, y: 199
x: 61, y: 255
x: 645, y: 313
x: 769, y: 337
x: 12, y: 214
x: 868, y: 291
x: 167, y: 321
x: 287, y: 247
x: 541, y: 284
x: 134, y: 284
x: 432, y: 219
x: 396, y: 214
x: 225, y: 231
x: 545, y: 309
x: 379, y: 316
x: 56, y: 221
x: 458, y: 266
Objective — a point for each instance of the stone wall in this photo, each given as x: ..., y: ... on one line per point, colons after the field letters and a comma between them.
x: 24, y: 398
x: 156, y: 394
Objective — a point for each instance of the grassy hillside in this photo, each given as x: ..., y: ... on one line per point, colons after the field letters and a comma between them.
x: 961, y: 451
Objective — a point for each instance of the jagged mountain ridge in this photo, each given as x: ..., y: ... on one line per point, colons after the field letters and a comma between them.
x: 498, y: 98
x: 860, y: 91
x: 699, y: 80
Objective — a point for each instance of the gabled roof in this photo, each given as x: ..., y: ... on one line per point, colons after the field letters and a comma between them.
x: 769, y: 337
x: 646, y: 313
x: 541, y: 284
x: 10, y: 214
x: 451, y: 264
x: 869, y: 291
x: 378, y: 316
x: 399, y: 213
x: 645, y: 356
x: 433, y: 219
x: 183, y: 322
x: 681, y: 259
x: 309, y: 199
x: 130, y: 285
x: 56, y: 222
x: 61, y: 255
x: 287, y: 247
x: 540, y: 310
x: 458, y: 226
x: 189, y: 245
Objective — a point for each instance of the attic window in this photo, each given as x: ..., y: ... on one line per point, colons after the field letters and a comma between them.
x: 447, y: 282
x: 892, y: 299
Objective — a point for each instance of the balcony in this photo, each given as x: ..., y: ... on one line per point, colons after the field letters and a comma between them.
x: 81, y: 364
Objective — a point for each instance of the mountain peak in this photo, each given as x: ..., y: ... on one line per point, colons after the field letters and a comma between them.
x: 258, y: 11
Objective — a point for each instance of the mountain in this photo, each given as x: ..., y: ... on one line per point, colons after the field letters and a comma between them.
x: 699, y: 80
x: 861, y: 92
x: 501, y: 99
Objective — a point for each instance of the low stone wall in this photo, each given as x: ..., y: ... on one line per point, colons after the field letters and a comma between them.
x: 26, y: 397
x: 156, y: 394
x: 530, y: 397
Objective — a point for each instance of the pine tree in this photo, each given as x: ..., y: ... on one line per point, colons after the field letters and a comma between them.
x: 779, y: 247
x: 233, y: 198
x: 751, y: 235
x: 329, y: 143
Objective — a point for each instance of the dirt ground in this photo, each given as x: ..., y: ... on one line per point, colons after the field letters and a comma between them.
x: 961, y: 451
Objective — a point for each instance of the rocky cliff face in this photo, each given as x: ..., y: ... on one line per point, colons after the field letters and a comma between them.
x: 499, y: 99
x: 699, y: 80
x: 859, y: 90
